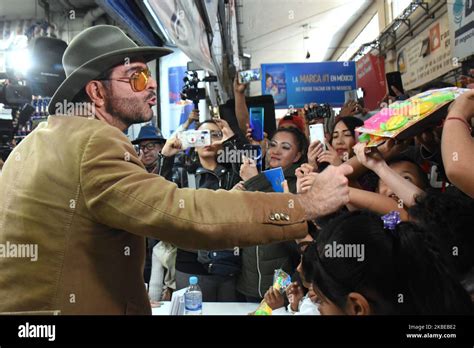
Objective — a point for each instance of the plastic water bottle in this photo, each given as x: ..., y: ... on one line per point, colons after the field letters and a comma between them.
x: 193, y: 298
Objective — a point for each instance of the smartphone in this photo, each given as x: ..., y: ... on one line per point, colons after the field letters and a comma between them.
x: 360, y: 93
x: 256, y: 123
x: 247, y: 76
x: 276, y: 178
x: 394, y: 79
x: 350, y: 95
x: 195, y: 138
x: 254, y: 152
x: 316, y: 132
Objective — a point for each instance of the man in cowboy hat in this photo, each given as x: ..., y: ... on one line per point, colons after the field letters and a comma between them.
x: 76, y: 190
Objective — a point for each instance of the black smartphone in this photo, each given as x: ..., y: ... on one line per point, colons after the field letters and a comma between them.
x: 394, y: 79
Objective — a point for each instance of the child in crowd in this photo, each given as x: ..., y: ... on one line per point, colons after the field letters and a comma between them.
x: 400, y: 182
x: 299, y: 302
x: 390, y: 268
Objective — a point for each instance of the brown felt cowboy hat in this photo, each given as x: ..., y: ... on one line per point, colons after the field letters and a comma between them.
x: 91, y: 53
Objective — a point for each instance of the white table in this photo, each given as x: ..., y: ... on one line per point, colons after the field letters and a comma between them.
x: 213, y: 308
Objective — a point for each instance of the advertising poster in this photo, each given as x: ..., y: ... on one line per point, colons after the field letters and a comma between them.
x: 371, y: 78
x: 297, y: 84
x: 461, y: 20
x: 426, y: 56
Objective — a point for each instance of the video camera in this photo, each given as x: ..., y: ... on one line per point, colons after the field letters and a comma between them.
x: 15, y: 96
x: 318, y: 111
x: 191, y: 91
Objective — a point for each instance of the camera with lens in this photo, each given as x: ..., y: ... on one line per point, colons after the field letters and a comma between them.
x: 14, y: 95
x: 191, y: 91
x: 318, y: 111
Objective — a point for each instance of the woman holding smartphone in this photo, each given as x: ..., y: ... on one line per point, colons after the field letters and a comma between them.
x: 286, y: 150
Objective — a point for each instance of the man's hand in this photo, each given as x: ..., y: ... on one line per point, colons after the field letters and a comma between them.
x: 172, y: 147
x: 329, y: 192
x: 273, y: 298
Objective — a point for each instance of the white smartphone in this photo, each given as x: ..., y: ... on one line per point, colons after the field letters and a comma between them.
x: 316, y: 132
x: 195, y: 138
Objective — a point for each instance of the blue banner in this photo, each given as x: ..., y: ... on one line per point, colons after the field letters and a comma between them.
x: 303, y: 83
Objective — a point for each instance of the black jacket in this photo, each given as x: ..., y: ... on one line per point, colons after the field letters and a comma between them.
x: 260, y: 262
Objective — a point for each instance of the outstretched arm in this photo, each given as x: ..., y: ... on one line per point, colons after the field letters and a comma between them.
x: 457, y: 144
x: 374, y: 202
x: 404, y: 189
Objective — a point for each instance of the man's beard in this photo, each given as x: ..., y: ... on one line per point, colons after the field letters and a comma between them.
x: 129, y: 110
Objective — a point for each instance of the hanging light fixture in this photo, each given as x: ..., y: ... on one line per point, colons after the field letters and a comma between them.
x: 306, y: 41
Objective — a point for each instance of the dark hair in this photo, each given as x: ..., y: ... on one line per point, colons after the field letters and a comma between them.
x: 192, y: 160
x: 423, y: 177
x: 83, y: 97
x: 199, y: 124
x: 301, y: 140
x: 448, y: 217
x: 401, y: 273
x: 351, y: 123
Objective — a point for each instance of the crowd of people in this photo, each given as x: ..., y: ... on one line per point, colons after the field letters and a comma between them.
x: 380, y: 232
x: 419, y: 262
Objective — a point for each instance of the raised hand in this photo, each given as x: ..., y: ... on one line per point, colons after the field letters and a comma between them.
x: 328, y: 193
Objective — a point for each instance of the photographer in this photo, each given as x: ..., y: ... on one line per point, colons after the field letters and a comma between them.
x: 216, y: 269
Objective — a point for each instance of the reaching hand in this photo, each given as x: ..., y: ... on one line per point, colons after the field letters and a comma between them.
x: 239, y: 88
x: 329, y: 192
x: 349, y: 109
x: 373, y: 161
x: 193, y: 117
x: 172, y: 147
x: 330, y: 156
x: 304, y: 177
x: 248, y: 169
x: 463, y: 106
x: 390, y: 149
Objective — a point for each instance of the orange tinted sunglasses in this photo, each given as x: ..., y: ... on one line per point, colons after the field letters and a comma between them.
x: 138, y: 81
